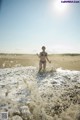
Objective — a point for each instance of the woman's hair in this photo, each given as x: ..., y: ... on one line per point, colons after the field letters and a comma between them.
x: 43, y: 47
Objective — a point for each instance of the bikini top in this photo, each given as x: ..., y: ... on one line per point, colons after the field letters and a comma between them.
x: 43, y: 54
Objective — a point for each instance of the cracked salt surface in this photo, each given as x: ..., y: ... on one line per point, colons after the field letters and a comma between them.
x: 12, y: 81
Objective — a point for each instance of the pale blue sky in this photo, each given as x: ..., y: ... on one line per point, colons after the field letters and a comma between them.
x: 26, y: 25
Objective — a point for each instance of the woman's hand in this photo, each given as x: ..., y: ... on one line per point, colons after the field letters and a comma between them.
x: 37, y: 55
x: 49, y: 61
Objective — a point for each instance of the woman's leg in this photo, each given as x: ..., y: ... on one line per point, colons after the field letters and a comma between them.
x: 40, y: 66
x: 44, y: 66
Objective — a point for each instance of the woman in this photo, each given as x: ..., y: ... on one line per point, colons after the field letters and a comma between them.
x: 43, y: 57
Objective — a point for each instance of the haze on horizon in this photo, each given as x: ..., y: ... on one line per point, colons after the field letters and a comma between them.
x: 26, y: 25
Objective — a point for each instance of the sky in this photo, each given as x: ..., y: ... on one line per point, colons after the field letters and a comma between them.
x: 27, y: 25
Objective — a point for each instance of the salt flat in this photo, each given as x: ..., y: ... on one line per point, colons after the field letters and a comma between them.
x: 66, y: 61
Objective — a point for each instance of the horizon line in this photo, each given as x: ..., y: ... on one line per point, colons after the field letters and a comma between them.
x: 35, y: 53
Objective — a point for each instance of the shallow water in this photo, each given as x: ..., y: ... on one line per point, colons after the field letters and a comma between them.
x: 51, y: 96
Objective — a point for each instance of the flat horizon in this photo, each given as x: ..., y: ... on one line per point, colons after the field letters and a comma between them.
x: 48, y: 53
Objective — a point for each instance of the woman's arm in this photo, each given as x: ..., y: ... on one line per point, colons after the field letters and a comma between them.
x: 38, y: 55
x: 48, y: 59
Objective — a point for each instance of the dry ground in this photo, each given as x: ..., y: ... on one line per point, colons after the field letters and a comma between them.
x: 66, y: 61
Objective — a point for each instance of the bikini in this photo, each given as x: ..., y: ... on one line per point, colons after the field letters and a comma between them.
x: 43, y: 54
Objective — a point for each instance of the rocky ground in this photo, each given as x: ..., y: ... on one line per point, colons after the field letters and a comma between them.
x: 27, y: 95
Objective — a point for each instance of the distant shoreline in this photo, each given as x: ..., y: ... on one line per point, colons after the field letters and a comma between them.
x: 66, y: 54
